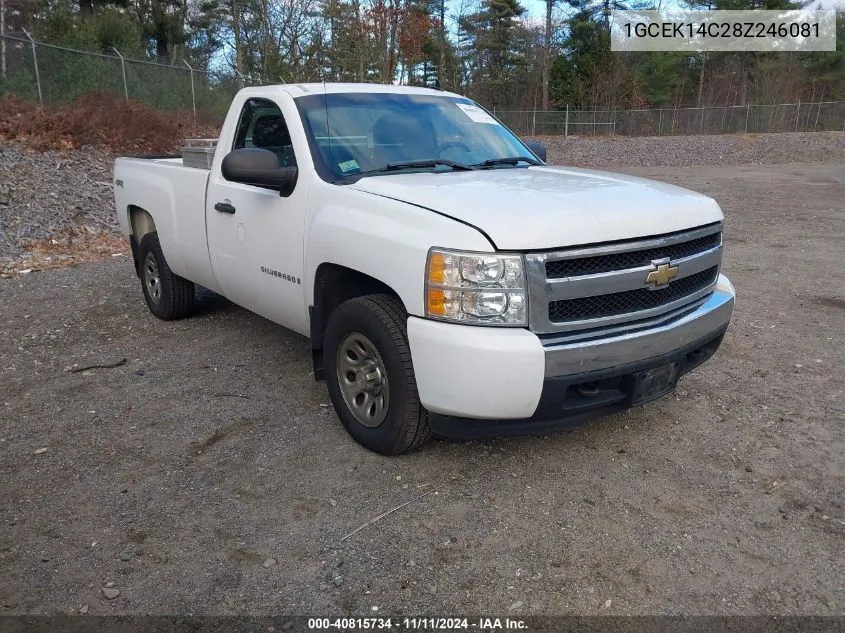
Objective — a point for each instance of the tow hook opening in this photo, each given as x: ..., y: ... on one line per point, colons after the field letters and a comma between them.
x: 588, y: 389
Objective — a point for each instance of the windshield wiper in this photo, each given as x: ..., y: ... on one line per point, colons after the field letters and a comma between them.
x: 509, y: 160
x: 432, y: 162
x: 411, y: 164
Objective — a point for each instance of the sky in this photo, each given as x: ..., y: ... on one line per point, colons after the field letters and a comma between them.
x: 536, y: 8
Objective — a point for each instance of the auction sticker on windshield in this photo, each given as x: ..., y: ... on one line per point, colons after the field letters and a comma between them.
x: 476, y: 114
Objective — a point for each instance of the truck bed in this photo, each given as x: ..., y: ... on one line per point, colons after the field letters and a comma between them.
x: 175, y: 196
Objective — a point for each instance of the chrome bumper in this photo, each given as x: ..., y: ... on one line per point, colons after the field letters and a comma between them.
x: 583, y: 356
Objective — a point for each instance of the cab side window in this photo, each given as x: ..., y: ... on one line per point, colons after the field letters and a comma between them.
x: 262, y: 125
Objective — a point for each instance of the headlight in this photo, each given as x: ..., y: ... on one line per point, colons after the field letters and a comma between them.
x: 476, y: 288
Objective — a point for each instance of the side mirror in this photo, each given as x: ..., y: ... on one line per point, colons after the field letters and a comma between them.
x: 538, y: 148
x: 258, y: 167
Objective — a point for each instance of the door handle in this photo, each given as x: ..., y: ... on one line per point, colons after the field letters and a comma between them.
x: 224, y: 207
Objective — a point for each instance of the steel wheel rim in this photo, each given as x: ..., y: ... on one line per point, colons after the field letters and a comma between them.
x: 152, y: 279
x: 362, y: 378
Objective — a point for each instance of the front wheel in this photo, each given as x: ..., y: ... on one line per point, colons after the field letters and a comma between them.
x: 370, y: 376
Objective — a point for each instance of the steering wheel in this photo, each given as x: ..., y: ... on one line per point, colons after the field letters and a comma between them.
x: 450, y: 144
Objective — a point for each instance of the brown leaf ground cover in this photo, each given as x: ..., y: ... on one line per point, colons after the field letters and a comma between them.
x: 98, y: 119
x: 65, y: 249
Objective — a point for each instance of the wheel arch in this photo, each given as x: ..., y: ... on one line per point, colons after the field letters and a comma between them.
x: 141, y: 223
x: 334, y: 284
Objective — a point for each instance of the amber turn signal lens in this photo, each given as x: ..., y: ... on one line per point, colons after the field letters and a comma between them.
x: 436, y: 265
x: 436, y: 302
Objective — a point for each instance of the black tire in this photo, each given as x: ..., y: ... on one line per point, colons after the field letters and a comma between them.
x: 171, y: 296
x: 381, y: 319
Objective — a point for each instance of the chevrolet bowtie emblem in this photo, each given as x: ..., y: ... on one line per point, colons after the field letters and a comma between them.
x: 662, y: 275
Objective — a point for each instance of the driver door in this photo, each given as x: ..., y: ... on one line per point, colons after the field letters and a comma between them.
x: 254, y: 234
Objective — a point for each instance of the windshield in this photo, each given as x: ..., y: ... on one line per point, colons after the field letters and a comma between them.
x: 357, y: 134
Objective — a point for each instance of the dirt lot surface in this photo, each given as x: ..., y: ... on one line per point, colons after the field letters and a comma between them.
x: 208, y: 474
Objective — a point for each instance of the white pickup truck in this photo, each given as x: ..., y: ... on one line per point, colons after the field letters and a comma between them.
x: 449, y: 280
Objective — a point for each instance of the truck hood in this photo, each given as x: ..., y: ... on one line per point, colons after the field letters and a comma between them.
x: 550, y: 207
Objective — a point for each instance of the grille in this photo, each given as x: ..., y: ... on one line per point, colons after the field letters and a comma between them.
x: 630, y: 300
x: 620, y: 261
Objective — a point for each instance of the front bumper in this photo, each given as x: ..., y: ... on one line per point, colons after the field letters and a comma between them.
x: 502, y: 380
x: 652, y: 340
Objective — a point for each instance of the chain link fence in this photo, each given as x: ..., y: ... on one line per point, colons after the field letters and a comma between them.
x: 739, y: 119
x: 51, y: 74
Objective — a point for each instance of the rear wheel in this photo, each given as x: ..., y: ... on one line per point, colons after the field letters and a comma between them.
x: 370, y: 376
x: 168, y: 295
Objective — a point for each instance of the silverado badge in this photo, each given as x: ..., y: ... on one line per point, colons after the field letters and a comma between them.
x: 662, y: 274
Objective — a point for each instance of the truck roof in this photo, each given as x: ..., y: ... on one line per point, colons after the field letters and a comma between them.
x: 304, y: 89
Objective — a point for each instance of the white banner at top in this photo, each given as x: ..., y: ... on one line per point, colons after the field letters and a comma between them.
x: 703, y: 31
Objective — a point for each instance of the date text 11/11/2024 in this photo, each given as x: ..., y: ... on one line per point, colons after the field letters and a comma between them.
x: 417, y: 624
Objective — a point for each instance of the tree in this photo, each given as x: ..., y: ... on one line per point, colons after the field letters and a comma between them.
x: 492, y: 31
x: 494, y: 55
x: 587, y: 57
x: 162, y: 25
x: 547, y: 52
x: 108, y: 27
x: 826, y: 70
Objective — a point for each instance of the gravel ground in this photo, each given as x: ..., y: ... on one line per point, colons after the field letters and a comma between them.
x: 208, y: 474
x: 686, y: 151
x: 44, y: 194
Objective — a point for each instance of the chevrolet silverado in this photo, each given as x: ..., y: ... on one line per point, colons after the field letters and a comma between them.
x: 450, y: 281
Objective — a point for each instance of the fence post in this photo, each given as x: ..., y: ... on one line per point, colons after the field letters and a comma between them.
x: 193, y: 94
x: 797, y: 114
x: 534, y: 123
x: 566, y: 122
x: 818, y: 110
x: 3, y: 35
x: 660, y: 123
x: 747, y: 114
x: 35, y: 62
x: 123, y: 69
